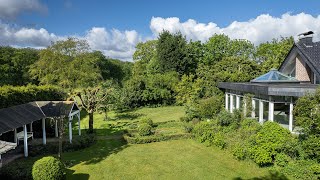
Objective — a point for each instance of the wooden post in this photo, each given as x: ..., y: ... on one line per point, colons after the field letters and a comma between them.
x: 15, y: 136
x: 44, y: 138
x: 56, y: 128
x: 25, y: 141
x: 70, y: 129
x: 79, y: 124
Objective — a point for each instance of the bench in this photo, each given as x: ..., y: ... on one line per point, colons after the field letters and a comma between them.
x: 20, y: 136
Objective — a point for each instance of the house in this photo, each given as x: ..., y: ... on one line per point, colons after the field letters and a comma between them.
x: 275, y: 93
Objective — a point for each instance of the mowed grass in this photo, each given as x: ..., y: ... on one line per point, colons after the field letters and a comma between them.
x: 116, y: 122
x: 177, y: 159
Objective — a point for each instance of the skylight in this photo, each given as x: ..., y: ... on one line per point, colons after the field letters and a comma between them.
x: 274, y: 76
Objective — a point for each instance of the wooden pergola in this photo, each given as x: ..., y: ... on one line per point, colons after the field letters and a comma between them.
x: 25, y: 114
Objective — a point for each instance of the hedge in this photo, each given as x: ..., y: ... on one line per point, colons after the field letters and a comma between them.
x: 149, y: 139
x: 15, y: 95
x: 48, y: 168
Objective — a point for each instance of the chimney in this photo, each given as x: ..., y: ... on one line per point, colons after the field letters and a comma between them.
x: 306, y: 38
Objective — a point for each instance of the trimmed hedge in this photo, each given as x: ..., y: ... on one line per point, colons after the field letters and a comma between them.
x: 15, y: 95
x: 149, y: 139
x: 48, y: 168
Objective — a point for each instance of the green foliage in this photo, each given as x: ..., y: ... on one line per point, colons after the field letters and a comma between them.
x: 271, y: 54
x: 144, y: 58
x: 208, y: 133
x: 14, y: 65
x: 144, y: 129
x: 226, y: 118
x: 15, y: 95
x: 247, y: 99
x: 48, y: 168
x: 210, y: 107
x: 268, y: 142
x: 67, y: 63
x: 311, y: 147
x: 282, y: 159
x: 150, y: 139
x: 302, y: 169
x: 188, y: 89
x: 147, y: 120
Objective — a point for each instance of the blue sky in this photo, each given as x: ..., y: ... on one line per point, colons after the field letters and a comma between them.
x: 115, y: 27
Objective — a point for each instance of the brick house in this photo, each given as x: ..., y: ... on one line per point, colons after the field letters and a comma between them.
x: 275, y: 93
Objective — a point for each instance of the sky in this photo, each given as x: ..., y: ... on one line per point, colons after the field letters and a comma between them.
x: 116, y: 26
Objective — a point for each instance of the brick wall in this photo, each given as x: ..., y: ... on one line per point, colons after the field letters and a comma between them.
x: 303, y: 72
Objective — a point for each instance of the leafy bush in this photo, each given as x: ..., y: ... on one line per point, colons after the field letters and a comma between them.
x: 208, y: 133
x: 48, y: 168
x: 188, y: 127
x: 17, y: 170
x: 15, y: 95
x: 302, y: 169
x: 208, y: 108
x: 147, y: 121
x: 268, y: 142
x: 281, y: 159
x: 225, y: 118
x: 311, y: 147
x: 239, y: 151
x: 144, y: 129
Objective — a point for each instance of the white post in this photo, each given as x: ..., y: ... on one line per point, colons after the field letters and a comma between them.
x: 79, y: 124
x: 231, y: 103
x: 271, y: 111
x: 44, y: 138
x: 253, y: 112
x: 70, y: 129
x: 31, y: 127
x: 15, y: 135
x: 25, y: 141
x: 260, y: 112
x: 237, y: 102
x: 56, y: 128
x: 244, y: 107
x: 227, y: 101
x: 291, y: 117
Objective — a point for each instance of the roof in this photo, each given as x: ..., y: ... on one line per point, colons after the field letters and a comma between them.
x: 17, y: 116
x: 270, y: 89
x: 274, y: 76
x: 308, y: 50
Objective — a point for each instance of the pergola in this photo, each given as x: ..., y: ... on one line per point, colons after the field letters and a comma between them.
x: 21, y: 115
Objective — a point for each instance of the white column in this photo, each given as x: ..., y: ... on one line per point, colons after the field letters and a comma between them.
x: 227, y: 101
x: 44, y: 138
x: 31, y: 129
x: 79, y: 124
x: 237, y: 102
x: 260, y: 112
x: 56, y: 128
x: 231, y: 103
x: 25, y: 141
x: 244, y: 107
x: 15, y: 136
x: 271, y: 111
x: 291, y: 117
x: 253, y: 112
x: 70, y: 129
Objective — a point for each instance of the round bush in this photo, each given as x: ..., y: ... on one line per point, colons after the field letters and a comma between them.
x: 144, y: 129
x: 48, y: 168
x: 147, y: 121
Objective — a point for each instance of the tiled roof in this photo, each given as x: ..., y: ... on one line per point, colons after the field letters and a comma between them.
x: 311, y: 51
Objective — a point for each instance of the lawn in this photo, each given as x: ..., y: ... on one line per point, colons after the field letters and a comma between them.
x: 177, y: 159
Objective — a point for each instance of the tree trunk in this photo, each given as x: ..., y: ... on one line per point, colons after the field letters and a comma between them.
x: 90, y: 122
x: 60, y: 137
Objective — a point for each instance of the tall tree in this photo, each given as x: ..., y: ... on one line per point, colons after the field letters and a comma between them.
x: 67, y: 63
x: 171, y: 52
x: 142, y: 57
x: 271, y: 54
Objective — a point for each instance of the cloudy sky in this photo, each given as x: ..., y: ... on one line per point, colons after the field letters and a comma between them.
x: 116, y: 26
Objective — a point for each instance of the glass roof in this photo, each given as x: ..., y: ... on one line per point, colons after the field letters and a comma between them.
x: 274, y: 76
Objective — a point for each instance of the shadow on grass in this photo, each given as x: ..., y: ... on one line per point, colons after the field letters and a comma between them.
x: 273, y: 175
x: 77, y: 176
x: 128, y: 115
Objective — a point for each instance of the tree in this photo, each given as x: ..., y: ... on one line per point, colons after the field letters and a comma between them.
x: 93, y: 99
x: 67, y: 63
x: 271, y: 54
x: 144, y: 54
x: 171, y: 52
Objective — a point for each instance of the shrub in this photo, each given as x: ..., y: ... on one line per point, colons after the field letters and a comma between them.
x: 281, y: 159
x: 239, y: 151
x: 48, y: 168
x: 209, y: 134
x: 188, y: 127
x: 210, y: 107
x: 17, y: 170
x: 147, y: 121
x: 144, y: 129
x: 311, y: 147
x: 302, y: 169
x: 225, y: 118
x: 269, y: 141
x: 149, y: 139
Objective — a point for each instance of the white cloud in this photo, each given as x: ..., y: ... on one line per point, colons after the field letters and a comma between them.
x: 11, y: 8
x: 262, y: 28
x: 114, y: 43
